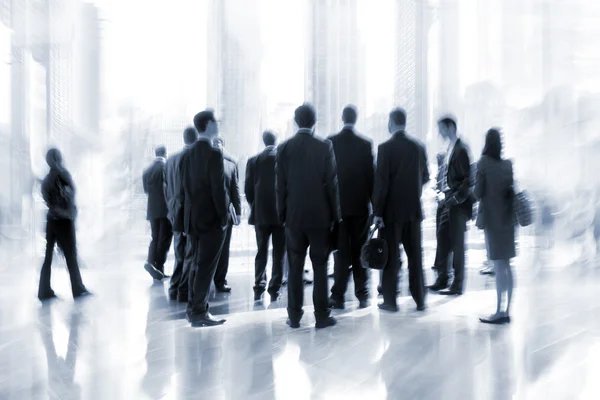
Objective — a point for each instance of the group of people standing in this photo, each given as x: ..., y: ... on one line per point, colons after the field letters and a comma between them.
x: 313, y: 195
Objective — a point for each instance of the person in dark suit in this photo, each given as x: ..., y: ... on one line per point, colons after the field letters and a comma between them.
x: 260, y: 193
x: 355, y: 166
x: 401, y: 173
x: 439, y: 189
x: 308, y: 204
x: 174, y: 196
x: 58, y: 191
x: 456, y: 208
x: 235, y: 215
x: 495, y: 192
x: 205, y: 215
x: 157, y: 212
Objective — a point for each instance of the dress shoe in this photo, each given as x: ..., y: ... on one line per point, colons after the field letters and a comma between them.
x: 325, y: 323
x: 308, y: 281
x: 487, y: 271
x: 495, y: 319
x: 451, y: 292
x: 204, y: 319
x: 258, y: 295
x: 154, y: 273
x: 338, y: 305
x: 223, y: 289
x: 182, y: 298
x: 173, y: 296
x: 421, y: 307
x: 274, y: 297
x: 364, y: 303
x: 47, y: 296
x: 165, y: 275
x: 387, y: 307
x: 85, y: 293
x: 293, y: 324
x: 436, y: 287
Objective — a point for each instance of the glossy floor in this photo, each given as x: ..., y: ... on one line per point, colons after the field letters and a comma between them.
x: 129, y: 342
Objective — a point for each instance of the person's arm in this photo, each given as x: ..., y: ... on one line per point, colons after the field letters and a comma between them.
x: 331, y: 182
x: 280, y: 186
x: 480, y: 182
x: 461, y: 194
x: 371, y: 172
x: 236, y: 199
x: 249, y: 184
x: 165, y: 182
x: 218, y: 192
x: 382, y: 183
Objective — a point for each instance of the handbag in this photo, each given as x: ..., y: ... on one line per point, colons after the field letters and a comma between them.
x: 523, y: 209
x: 374, y: 253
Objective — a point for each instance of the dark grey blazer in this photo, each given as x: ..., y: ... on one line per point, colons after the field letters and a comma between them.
x: 153, y: 181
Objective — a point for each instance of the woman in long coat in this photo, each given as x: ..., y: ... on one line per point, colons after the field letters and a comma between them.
x: 494, y: 190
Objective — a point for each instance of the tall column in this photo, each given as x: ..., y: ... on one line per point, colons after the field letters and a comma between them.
x: 449, y: 51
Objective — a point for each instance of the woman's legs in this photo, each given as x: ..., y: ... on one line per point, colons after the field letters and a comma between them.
x: 500, y: 284
x: 45, y: 289
x: 509, y: 285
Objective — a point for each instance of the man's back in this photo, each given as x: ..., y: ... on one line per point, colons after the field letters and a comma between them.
x: 153, y: 179
x: 231, y: 184
x: 260, y: 190
x: 401, y: 173
x: 174, y: 190
x: 203, y: 180
x: 307, y: 187
x: 355, y: 168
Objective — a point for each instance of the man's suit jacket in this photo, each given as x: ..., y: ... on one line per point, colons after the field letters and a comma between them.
x: 355, y: 168
x: 260, y: 188
x: 153, y: 180
x: 205, y: 203
x: 232, y: 186
x: 174, y: 190
x: 401, y: 173
x: 459, y: 179
x: 307, y: 183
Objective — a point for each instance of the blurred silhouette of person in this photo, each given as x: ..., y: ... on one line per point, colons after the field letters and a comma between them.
x: 401, y: 173
x: 308, y: 204
x: 356, y: 169
x: 260, y: 193
x: 58, y: 191
x: 235, y: 215
x: 439, y: 189
x: 157, y: 213
x: 173, y: 187
x: 457, y: 208
x: 495, y: 192
x: 205, y: 213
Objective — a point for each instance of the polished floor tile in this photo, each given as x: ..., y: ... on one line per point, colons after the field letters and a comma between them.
x: 130, y: 342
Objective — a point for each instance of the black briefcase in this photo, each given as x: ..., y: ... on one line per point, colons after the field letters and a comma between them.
x: 374, y: 253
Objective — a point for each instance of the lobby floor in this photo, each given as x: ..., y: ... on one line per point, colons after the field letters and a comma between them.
x: 129, y: 341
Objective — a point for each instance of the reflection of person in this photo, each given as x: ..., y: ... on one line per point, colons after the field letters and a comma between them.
x: 260, y: 193
x: 235, y: 216
x: 178, y: 289
x: 355, y: 164
x: 157, y: 212
x: 457, y: 209
x: 58, y: 191
x: 205, y: 214
x: 494, y: 189
x: 308, y: 204
x: 399, y: 178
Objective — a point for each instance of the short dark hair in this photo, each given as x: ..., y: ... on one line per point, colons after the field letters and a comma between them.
x: 349, y: 114
x: 305, y: 116
x: 447, y: 122
x: 189, y: 135
x: 269, y: 138
x: 398, y: 116
x: 160, y: 151
x: 202, y: 119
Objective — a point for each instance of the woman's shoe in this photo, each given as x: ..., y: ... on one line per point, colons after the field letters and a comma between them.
x: 495, y: 319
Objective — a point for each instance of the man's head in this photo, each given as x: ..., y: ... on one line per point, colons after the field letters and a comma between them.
x: 305, y: 116
x: 206, y: 124
x: 190, y: 135
x: 349, y: 115
x: 54, y: 158
x: 218, y: 142
x: 397, y: 121
x: 160, y: 151
x: 447, y: 127
x: 269, y: 138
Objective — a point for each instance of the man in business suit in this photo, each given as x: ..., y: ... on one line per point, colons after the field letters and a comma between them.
x: 260, y: 193
x: 157, y: 212
x: 232, y: 188
x: 308, y: 204
x: 205, y: 215
x: 456, y: 208
x: 174, y: 196
x: 401, y: 173
x: 355, y: 166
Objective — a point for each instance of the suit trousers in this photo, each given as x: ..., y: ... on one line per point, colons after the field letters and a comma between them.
x: 183, y: 259
x: 207, y: 248
x: 297, y: 242
x: 353, y: 233
x: 162, y: 234
x: 61, y: 232
x: 263, y: 234
x: 452, y: 241
x: 223, y: 265
x: 409, y: 235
